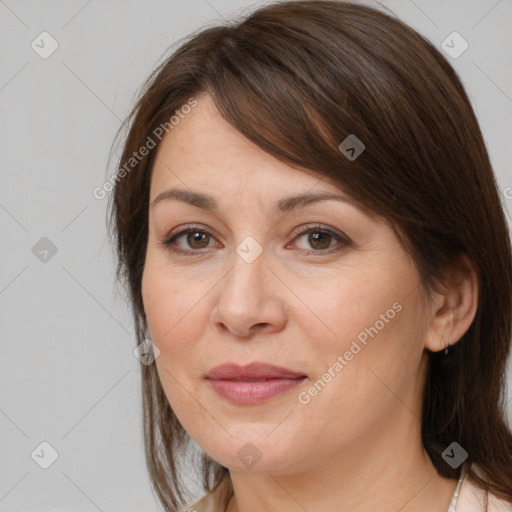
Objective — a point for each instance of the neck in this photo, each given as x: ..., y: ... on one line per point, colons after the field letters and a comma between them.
x: 371, y: 474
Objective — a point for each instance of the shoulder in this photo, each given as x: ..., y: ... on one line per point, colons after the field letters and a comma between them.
x: 216, y: 500
x: 473, y: 499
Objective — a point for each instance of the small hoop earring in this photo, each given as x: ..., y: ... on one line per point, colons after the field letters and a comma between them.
x: 446, y: 349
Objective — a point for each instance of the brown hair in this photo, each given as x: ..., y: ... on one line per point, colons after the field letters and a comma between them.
x: 296, y: 78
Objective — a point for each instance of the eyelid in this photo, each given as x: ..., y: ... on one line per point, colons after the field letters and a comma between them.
x: 184, y: 230
x: 310, y: 227
x: 302, y: 230
x: 342, y: 239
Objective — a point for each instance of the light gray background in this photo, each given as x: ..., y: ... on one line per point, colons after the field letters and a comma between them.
x: 68, y: 374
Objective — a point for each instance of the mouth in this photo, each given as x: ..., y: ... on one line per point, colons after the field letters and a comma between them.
x: 254, y: 383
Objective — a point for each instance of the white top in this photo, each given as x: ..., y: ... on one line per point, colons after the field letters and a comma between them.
x: 453, y: 503
x: 468, y: 497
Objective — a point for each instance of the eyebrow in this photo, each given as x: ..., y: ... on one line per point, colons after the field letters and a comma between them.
x: 208, y: 202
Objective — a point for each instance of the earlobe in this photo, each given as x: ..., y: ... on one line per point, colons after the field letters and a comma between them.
x: 453, y: 310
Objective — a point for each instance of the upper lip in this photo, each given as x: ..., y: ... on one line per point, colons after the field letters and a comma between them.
x: 255, y: 370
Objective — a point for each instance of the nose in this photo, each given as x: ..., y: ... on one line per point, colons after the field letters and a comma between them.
x: 250, y: 299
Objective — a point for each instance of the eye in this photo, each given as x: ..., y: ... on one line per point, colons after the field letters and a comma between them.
x: 320, y: 239
x: 196, y: 238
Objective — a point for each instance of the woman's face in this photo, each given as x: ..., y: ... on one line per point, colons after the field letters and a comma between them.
x: 317, y: 287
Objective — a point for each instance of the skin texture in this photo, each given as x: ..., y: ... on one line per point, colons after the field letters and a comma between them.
x: 356, y: 444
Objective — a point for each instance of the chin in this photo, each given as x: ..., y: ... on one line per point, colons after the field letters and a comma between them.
x: 250, y: 455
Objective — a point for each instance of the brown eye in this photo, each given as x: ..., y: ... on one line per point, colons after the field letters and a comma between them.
x: 196, y: 239
x: 320, y: 240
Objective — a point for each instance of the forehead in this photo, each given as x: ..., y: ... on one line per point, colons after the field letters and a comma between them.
x: 204, y: 150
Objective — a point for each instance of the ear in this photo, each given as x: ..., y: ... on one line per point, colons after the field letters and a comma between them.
x: 454, y: 309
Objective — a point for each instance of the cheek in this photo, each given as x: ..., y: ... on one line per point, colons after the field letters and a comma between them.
x: 346, y: 308
x: 368, y: 337
x: 171, y: 306
x: 172, y: 317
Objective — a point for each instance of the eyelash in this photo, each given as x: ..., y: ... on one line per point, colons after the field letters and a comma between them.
x: 168, y: 242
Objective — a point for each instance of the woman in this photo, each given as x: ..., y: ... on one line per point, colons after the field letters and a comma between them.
x: 314, y: 244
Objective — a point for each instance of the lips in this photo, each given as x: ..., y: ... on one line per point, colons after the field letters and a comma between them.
x: 255, y: 371
x: 252, y: 384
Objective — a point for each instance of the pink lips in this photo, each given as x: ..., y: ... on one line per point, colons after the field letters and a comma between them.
x: 254, y: 383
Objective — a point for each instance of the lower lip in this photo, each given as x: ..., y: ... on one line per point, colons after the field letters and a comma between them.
x: 255, y: 392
